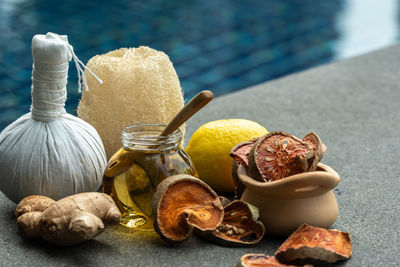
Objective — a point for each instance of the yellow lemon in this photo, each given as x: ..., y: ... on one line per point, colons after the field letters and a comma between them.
x: 210, y: 145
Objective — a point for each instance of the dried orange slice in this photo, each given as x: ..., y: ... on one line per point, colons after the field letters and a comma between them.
x: 278, y: 155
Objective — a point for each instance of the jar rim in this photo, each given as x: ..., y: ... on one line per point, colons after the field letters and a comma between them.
x: 147, y: 137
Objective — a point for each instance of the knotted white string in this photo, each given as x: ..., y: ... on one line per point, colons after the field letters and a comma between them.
x: 49, y: 82
x: 78, y: 64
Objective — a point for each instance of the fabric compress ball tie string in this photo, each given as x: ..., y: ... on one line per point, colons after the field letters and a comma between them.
x: 48, y: 105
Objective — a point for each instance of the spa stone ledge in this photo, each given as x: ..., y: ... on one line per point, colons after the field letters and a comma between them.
x: 353, y: 105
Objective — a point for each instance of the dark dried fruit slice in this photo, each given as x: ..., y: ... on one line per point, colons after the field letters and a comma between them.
x: 240, y: 154
x: 260, y: 260
x: 278, y: 155
x: 182, y: 202
x: 319, y: 148
x: 240, y: 226
x: 313, y: 244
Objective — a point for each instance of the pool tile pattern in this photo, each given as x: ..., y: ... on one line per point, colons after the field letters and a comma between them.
x: 222, y: 46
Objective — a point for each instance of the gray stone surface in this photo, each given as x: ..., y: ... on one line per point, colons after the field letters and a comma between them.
x: 353, y: 105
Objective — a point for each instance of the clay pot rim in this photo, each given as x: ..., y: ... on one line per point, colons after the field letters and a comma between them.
x: 303, y: 185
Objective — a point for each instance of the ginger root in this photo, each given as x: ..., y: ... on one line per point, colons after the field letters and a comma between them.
x: 71, y: 220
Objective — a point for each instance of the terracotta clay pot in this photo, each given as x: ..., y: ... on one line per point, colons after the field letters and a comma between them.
x: 288, y: 203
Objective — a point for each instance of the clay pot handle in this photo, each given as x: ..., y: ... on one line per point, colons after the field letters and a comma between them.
x: 303, y: 185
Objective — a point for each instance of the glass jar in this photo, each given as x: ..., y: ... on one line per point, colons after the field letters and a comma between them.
x: 134, y: 171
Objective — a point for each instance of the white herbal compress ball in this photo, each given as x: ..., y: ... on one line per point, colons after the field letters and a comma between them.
x: 48, y: 151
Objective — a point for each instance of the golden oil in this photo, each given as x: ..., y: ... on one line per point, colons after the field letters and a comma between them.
x: 139, y: 167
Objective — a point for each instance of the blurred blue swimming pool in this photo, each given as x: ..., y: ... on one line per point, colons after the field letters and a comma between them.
x: 222, y: 46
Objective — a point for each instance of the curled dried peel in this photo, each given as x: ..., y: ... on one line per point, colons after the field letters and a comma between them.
x: 310, y: 243
x: 239, y: 227
x: 260, y: 260
x: 182, y: 202
x: 278, y: 155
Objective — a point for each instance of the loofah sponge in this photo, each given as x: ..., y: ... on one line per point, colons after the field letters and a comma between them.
x: 140, y: 86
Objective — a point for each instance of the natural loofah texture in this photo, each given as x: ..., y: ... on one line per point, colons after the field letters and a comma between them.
x: 140, y: 86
